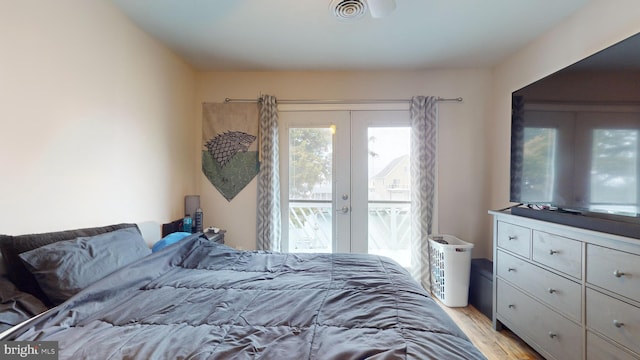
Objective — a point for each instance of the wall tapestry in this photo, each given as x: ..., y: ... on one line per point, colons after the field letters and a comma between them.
x: 230, y: 146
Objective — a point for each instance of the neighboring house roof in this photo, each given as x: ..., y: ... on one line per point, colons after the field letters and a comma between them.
x: 392, y: 165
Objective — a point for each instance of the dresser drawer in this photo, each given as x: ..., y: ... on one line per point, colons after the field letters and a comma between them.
x: 514, y: 238
x: 599, y: 349
x: 613, y: 318
x: 559, y: 292
x: 614, y: 270
x: 557, y: 252
x: 552, y: 332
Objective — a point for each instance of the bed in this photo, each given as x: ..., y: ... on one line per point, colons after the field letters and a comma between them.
x: 197, y: 299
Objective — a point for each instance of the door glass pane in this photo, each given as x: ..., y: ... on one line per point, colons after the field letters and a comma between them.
x: 310, y: 189
x: 614, y: 170
x: 389, y: 193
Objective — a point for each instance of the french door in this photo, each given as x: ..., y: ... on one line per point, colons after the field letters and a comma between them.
x: 345, y: 182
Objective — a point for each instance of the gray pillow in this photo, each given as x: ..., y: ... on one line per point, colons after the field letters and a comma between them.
x: 64, y: 268
x: 12, y: 246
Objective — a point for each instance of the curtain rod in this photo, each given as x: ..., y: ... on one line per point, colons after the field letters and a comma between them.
x: 356, y: 101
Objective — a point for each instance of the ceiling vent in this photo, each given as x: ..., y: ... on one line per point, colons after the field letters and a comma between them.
x: 348, y: 9
x: 354, y: 9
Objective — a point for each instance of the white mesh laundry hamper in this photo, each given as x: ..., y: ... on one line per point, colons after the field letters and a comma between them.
x: 450, y: 265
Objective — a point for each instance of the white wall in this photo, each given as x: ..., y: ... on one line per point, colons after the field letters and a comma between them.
x: 600, y: 24
x: 462, y: 196
x: 97, y: 119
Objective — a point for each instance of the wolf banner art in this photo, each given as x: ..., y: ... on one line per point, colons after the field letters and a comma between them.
x: 230, y: 146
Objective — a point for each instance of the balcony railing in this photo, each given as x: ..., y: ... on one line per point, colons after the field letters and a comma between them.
x: 389, y: 227
x: 310, y: 226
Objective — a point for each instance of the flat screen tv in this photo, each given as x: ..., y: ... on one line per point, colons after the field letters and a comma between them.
x: 575, y: 137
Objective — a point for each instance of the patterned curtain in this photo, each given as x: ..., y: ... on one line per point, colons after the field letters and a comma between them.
x: 423, y: 177
x: 268, y: 222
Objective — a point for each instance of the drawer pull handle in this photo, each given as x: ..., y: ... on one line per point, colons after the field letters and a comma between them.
x: 511, y: 306
x: 511, y: 269
x: 512, y: 237
x: 551, y: 291
x: 618, y: 273
x: 618, y: 324
x: 551, y: 252
x: 552, y: 334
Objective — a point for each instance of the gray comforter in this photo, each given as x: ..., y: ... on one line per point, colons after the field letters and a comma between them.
x: 16, y: 306
x: 201, y: 300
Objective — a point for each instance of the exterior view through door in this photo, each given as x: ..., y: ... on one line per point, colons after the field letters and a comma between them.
x: 345, y: 180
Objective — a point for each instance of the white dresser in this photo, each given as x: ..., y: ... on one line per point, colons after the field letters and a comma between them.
x: 570, y: 293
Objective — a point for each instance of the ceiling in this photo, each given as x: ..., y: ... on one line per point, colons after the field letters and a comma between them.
x: 271, y: 35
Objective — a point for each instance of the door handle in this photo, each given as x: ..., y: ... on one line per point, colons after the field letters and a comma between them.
x: 343, y: 210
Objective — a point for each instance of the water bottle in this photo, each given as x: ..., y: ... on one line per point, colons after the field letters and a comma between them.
x: 198, y: 220
x: 187, y: 223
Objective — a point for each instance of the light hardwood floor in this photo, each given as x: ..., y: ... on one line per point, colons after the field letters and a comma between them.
x: 493, y: 344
